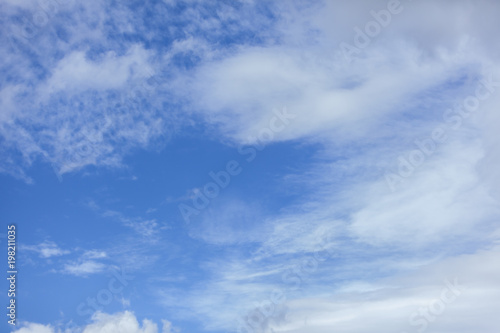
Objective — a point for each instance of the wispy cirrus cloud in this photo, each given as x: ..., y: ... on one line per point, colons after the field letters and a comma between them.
x: 87, y: 263
x: 46, y: 249
x: 83, y: 268
x: 94, y: 254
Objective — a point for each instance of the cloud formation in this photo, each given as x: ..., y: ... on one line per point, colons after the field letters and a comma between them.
x: 124, y: 322
x: 401, y: 190
x: 46, y: 249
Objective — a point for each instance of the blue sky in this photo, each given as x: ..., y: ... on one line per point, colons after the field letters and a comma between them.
x: 251, y: 166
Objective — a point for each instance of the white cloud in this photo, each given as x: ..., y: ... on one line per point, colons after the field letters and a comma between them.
x: 76, y: 72
x: 35, y: 328
x: 46, y: 249
x: 238, y: 91
x: 83, y: 268
x: 87, y: 263
x: 167, y: 327
x: 228, y: 221
x: 347, y: 294
x: 148, y: 228
x: 94, y: 254
x: 435, y: 204
x: 124, y: 322
x: 401, y: 303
